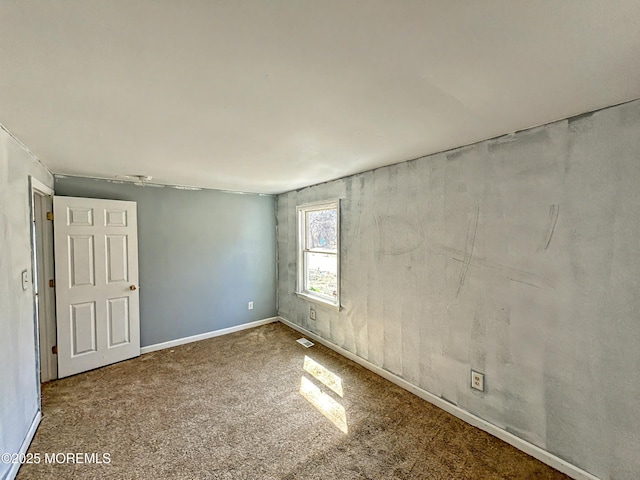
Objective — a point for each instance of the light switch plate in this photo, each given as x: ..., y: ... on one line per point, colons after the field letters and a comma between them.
x: 25, y: 279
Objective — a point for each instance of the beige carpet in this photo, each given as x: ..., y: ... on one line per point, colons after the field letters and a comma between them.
x: 247, y: 406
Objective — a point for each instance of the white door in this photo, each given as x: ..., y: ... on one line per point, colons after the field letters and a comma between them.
x: 96, y: 264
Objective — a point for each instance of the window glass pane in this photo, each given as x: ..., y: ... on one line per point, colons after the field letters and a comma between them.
x: 321, y: 275
x: 322, y: 231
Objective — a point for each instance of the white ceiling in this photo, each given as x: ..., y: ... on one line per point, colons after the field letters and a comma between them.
x: 268, y: 96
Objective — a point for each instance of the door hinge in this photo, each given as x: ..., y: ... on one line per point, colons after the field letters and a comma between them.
x: 50, y: 216
x: 52, y: 283
x: 54, y: 349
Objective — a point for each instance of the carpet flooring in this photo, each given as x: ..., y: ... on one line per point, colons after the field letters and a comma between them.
x: 256, y: 405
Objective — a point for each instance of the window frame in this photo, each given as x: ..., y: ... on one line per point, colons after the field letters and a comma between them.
x: 301, y: 249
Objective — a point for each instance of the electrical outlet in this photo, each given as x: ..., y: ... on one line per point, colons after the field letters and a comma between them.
x: 312, y: 314
x: 250, y: 305
x: 477, y: 380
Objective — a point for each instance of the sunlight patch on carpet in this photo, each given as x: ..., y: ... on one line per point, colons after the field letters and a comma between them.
x: 326, y: 405
x: 323, y: 375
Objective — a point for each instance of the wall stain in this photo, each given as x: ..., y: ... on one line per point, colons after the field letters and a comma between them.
x: 396, y: 236
x: 453, y: 155
x: 4, y: 231
x: 554, y: 211
x: 503, y: 322
x: 472, y: 231
x: 536, y: 136
x: 390, y: 232
x: 580, y: 117
x: 448, y: 401
x: 517, y: 275
x: 581, y: 123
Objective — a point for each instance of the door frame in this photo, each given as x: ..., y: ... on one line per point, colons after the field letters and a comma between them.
x: 42, y: 272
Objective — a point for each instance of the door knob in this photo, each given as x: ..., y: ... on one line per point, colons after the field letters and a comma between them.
x: 133, y: 287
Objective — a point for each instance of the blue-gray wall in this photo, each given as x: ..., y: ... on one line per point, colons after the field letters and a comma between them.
x: 519, y: 257
x: 202, y: 256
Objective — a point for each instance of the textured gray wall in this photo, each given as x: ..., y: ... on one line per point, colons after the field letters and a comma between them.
x: 202, y: 256
x: 519, y: 257
x: 19, y: 379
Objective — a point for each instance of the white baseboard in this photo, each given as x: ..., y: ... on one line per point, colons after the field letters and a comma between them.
x: 13, y: 471
x: 527, y: 447
x: 204, y: 336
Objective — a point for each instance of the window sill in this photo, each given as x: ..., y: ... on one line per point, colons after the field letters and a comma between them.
x: 321, y: 302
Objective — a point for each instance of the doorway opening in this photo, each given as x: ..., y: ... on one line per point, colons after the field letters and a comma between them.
x: 43, y: 280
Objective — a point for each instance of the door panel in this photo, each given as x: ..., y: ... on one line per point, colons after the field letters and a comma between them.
x: 81, y: 258
x: 83, y: 328
x: 78, y: 216
x: 116, y: 218
x: 96, y: 248
x: 118, y: 318
x: 117, y: 261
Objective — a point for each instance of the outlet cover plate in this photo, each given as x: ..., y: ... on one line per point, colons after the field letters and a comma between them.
x: 477, y: 380
x: 312, y: 314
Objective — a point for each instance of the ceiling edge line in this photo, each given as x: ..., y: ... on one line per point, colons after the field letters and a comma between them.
x: 160, y: 184
x: 27, y: 149
x: 466, y: 145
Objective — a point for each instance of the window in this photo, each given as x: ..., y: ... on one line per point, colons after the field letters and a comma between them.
x: 319, y: 252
